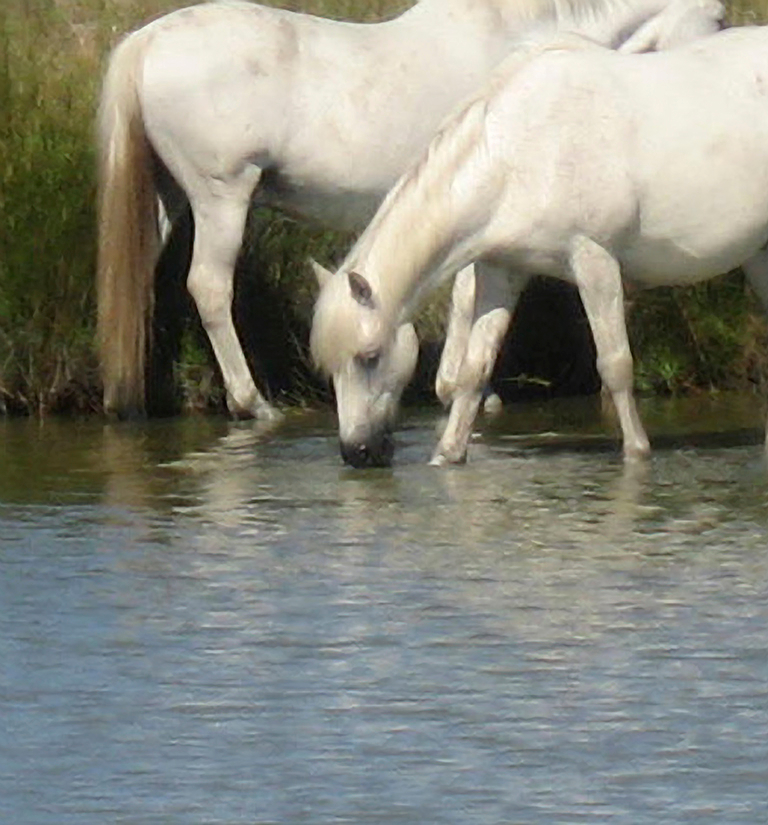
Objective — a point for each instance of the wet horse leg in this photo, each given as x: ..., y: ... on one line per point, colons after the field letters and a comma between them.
x: 493, y: 303
x: 219, y: 225
x: 598, y: 278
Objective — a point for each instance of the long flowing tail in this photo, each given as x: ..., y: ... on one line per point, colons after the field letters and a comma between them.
x: 128, y: 232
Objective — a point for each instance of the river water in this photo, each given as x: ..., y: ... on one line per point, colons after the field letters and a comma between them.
x: 202, y: 623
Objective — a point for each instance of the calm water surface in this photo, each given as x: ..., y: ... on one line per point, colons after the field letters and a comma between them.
x: 200, y: 623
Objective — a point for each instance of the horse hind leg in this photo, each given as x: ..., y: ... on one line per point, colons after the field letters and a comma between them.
x: 598, y: 278
x: 219, y: 226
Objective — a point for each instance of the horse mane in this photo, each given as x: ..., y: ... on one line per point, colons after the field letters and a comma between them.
x: 570, y: 10
x: 403, y: 219
x: 412, y: 215
x: 459, y: 136
x: 539, y: 10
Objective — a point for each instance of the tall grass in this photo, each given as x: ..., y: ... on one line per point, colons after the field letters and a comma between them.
x: 51, y: 63
x: 46, y: 208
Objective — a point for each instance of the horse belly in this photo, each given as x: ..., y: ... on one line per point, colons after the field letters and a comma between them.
x: 670, y: 262
x: 703, y: 214
x: 694, y: 247
x: 332, y: 206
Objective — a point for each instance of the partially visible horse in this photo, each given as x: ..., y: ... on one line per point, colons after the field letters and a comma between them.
x: 225, y: 104
x: 593, y: 166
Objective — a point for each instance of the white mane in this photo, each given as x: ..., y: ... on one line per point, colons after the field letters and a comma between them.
x: 574, y: 12
x: 415, y: 209
x: 410, y: 224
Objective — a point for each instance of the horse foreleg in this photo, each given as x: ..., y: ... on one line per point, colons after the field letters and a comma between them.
x: 492, y: 308
x: 461, y: 316
x: 756, y: 271
x: 219, y: 226
x: 598, y: 278
x: 484, y: 343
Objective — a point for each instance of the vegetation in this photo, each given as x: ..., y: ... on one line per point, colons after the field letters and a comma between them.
x: 51, y: 61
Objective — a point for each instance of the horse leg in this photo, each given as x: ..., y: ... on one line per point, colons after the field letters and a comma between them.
x: 460, y: 319
x: 493, y: 303
x: 219, y: 226
x: 598, y: 278
x: 756, y: 271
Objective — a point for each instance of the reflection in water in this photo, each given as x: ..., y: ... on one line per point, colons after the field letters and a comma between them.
x: 203, y: 622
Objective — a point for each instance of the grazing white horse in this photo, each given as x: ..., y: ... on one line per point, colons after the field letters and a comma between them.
x: 225, y: 104
x: 599, y: 168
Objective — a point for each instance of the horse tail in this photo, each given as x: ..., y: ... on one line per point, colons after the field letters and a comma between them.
x: 128, y: 236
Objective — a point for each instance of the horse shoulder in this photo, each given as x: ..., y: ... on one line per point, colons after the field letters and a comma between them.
x: 559, y: 140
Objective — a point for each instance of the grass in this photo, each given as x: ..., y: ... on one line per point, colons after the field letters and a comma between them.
x: 46, y: 211
x: 51, y: 62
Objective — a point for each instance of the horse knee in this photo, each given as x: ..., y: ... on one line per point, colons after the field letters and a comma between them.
x: 616, y: 370
x: 463, y: 294
x: 212, y: 296
x: 484, y: 345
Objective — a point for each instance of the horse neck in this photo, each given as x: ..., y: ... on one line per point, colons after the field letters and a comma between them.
x: 428, y: 226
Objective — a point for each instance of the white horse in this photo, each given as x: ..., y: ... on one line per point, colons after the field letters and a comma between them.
x: 599, y: 168
x: 224, y: 104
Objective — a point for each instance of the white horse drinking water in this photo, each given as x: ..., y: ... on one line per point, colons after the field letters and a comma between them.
x: 224, y: 104
x: 596, y: 167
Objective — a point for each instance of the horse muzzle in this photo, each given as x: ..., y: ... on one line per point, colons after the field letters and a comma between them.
x: 376, y: 453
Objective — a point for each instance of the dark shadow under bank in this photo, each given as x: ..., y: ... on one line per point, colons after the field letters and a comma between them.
x: 548, y: 352
x: 707, y: 337
x: 551, y: 444
x: 707, y: 421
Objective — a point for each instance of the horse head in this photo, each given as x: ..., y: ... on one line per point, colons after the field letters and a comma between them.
x: 369, y: 356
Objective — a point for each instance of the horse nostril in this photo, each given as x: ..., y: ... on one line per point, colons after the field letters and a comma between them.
x: 356, y: 455
x: 368, y: 455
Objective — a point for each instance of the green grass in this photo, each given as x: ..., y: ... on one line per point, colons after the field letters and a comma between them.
x: 46, y: 212
x: 51, y: 62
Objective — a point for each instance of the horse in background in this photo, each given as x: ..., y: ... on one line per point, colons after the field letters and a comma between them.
x: 219, y: 106
x: 600, y: 168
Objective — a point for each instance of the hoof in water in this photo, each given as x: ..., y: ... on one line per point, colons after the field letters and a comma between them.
x: 440, y: 459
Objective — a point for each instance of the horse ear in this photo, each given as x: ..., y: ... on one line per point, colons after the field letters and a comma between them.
x: 322, y: 274
x: 361, y: 290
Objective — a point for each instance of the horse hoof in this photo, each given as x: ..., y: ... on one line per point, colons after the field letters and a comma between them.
x: 441, y: 459
x: 269, y: 414
x: 637, y: 454
x: 492, y: 404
